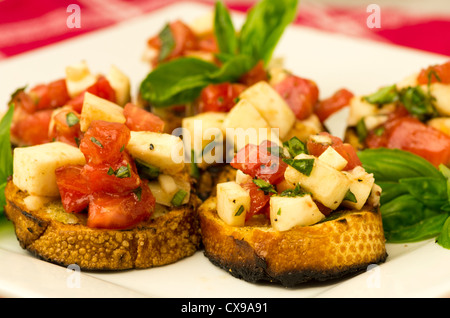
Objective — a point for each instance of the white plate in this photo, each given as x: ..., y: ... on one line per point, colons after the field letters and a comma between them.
x: 333, y: 61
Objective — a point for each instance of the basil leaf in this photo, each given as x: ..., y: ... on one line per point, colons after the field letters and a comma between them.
x: 296, y: 192
x: 295, y: 147
x: 178, y: 198
x: 430, y: 191
x: 263, y: 27
x: 384, y: 95
x: 350, y: 196
x: 391, y: 190
x: 6, y: 162
x: 167, y: 43
x: 224, y: 29
x: 239, y: 211
x: 394, y: 164
x: 264, y: 186
x: 444, y: 237
x: 418, y: 103
x: 95, y: 141
x: 232, y: 69
x: 146, y: 170
x: 303, y: 166
x: 176, y: 82
x: 72, y: 119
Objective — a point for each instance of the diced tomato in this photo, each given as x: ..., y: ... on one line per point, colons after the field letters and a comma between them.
x: 300, y: 94
x: 65, y: 126
x: 435, y: 73
x: 183, y: 36
x: 259, y: 201
x: 23, y: 100
x: 104, y: 142
x: 101, y: 88
x: 344, y: 149
x: 207, y: 43
x: 330, y: 105
x: 138, y: 119
x: 31, y: 129
x: 50, y: 95
x: 220, y: 97
x: 257, y: 74
x: 259, y: 161
x: 410, y: 134
x: 72, y: 188
x: 121, y: 211
x: 115, y: 177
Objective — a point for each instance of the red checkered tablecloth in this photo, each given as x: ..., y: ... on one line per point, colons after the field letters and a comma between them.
x: 26, y: 24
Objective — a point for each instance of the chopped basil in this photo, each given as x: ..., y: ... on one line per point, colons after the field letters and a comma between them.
x: 264, y: 186
x: 279, y: 211
x: 418, y: 103
x: 361, y: 130
x: 195, y: 172
x: 122, y: 148
x: 384, y: 95
x: 17, y: 91
x: 296, y: 192
x: 72, y: 119
x: 122, y: 172
x: 349, y: 196
x: 239, y: 211
x: 167, y: 43
x: 178, y: 198
x: 303, y: 166
x: 138, y: 193
x: 145, y: 170
x: 95, y: 141
x: 295, y: 146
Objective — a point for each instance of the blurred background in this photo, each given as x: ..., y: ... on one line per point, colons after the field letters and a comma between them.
x: 424, y: 25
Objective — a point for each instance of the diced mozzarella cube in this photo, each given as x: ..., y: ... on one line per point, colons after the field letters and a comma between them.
x: 333, y: 158
x: 78, y: 78
x: 34, y: 167
x: 272, y: 107
x: 121, y: 85
x: 441, y: 94
x: 167, y: 183
x: 162, y: 150
x: 203, y: 129
x: 242, y: 178
x: 233, y: 203
x: 203, y: 25
x: 440, y: 123
x: 96, y: 108
x: 360, y: 108
x: 287, y: 212
x: 326, y: 184
x: 361, y: 184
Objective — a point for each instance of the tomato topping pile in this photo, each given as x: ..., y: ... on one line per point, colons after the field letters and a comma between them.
x: 300, y: 94
x: 328, y: 106
x: 346, y: 150
x: 108, y: 185
x: 405, y: 132
x: 101, y: 88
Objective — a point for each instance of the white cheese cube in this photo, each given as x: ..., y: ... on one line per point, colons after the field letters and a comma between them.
x: 287, y: 212
x: 96, y: 108
x: 121, y: 85
x: 203, y: 25
x: 361, y: 184
x: 162, y: 150
x: 360, y: 108
x: 333, y: 158
x: 441, y: 93
x: 326, y: 184
x: 272, y: 107
x: 34, y: 167
x: 78, y: 78
x: 167, y: 183
x: 233, y: 203
x: 203, y: 129
x: 440, y: 123
x: 242, y: 178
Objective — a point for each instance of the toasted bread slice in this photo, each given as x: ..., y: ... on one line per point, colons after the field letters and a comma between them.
x: 63, y: 238
x: 338, y: 246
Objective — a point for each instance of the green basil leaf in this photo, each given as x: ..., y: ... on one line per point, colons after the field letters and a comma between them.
x: 263, y: 27
x: 224, y: 29
x: 264, y: 186
x: 232, y: 69
x: 350, y: 196
x: 303, y: 166
x: 239, y: 211
x: 444, y: 237
x: 384, y: 95
x: 72, y: 119
x: 167, y: 43
x: 391, y: 190
x: 6, y: 162
x: 296, y: 192
x: 418, y: 103
x: 178, y: 198
x: 146, y: 170
x: 430, y: 191
x: 394, y: 164
x: 176, y: 82
x: 295, y: 147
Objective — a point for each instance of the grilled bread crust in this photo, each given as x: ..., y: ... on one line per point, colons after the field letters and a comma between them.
x: 63, y: 238
x: 346, y: 244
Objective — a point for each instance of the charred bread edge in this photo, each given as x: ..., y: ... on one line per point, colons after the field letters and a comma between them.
x: 159, y: 241
x: 249, y: 258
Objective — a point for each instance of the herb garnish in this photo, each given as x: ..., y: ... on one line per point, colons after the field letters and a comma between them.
x: 6, y: 165
x: 303, y: 166
x: 95, y: 141
x: 239, y: 211
x: 122, y: 172
x: 264, y: 186
x: 178, y: 198
x: 72, y: 119
x: 295, y: 147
